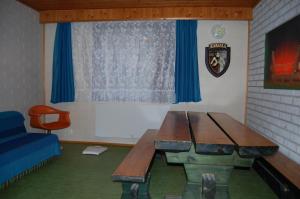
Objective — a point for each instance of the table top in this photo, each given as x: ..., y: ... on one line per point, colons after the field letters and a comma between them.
x: 208, y: 137
x: 174, y: 133
x: 212, y: 133
x: 248, y: 141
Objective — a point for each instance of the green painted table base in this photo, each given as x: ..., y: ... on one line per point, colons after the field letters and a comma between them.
x: 142, y: 191
x: 198, y: 164
x: 192, y: 191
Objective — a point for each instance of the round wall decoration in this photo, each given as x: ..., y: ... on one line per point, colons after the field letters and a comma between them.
x: 218, y: 31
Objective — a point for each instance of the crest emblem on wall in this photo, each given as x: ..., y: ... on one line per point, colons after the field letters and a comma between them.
x: 217, y: 58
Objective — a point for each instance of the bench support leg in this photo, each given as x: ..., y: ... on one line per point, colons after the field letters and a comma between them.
x: 134, y: 190
x: 242, y: 162
x: 198, y: 165
x: 196, y: 187
x: 208, y: 186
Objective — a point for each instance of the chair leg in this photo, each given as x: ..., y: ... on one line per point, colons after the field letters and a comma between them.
x: 48, y: 131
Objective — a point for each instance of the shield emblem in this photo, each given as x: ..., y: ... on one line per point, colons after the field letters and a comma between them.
x: 217, y: 58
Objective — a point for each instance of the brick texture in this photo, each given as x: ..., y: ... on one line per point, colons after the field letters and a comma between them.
x: 272, y: 112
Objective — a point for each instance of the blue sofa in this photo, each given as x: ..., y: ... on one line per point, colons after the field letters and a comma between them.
x: 20, y: 150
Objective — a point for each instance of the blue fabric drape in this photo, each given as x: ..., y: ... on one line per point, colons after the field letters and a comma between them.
x: 19, y: 150
x: 23, y: 153
x: 187, y: 88
x: 63, y: 78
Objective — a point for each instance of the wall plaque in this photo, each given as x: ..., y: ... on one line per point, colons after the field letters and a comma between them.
x: 217, y: 58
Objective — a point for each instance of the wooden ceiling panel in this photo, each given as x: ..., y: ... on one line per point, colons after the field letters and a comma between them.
x: 42, y: 5
x: 212, y: 13
x: 101, y: 10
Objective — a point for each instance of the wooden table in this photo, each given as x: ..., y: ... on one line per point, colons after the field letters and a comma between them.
x: 205, y: 145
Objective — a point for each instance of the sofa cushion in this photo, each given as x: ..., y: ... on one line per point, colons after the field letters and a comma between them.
x: 11, y: 125
x: 22, y: 146
x: 21, y: 154
x: 12, y: 137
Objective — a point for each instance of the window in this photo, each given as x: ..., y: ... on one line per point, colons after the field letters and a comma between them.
x: 124, y: 61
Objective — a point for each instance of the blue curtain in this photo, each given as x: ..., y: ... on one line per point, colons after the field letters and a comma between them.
x: 62, y: 77
x: 187, y: 87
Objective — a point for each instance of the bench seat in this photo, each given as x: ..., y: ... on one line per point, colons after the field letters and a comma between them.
x: 133, y: 171
x: 135, y: 165
x: 281, y: 173
x: 287, y: 167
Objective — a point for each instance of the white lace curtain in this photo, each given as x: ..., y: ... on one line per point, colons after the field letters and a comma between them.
x: 124, y: 61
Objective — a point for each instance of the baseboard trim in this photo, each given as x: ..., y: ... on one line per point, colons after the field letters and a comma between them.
x: 96, y: 143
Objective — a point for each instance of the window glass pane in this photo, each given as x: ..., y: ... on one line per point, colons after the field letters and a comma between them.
x: 125, y: 61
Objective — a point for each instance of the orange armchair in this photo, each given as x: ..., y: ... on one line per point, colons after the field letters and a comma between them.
x: 36, y: 112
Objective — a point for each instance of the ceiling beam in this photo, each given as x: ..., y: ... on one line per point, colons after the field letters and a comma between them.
x: 212, y: 13
x: 111, y: 10
x: 43, y: 5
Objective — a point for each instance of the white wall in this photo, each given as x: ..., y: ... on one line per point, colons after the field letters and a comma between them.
x: 21, y: 83
x: 226, y: 93
x: 125, y: 122
x: 273, y: 113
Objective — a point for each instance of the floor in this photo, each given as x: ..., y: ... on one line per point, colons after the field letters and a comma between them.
x: 76, y: 176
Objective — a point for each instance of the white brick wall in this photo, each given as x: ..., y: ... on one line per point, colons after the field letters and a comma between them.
x: 272, y: 112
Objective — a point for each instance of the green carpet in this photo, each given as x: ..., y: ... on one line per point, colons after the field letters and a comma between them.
x: 76, y: 176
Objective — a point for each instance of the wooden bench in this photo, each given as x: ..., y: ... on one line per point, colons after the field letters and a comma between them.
x: 281, y: 173
x: 174, y: 133
x: 209, y: 138
x: 248, y: 142
x: 133, y: 170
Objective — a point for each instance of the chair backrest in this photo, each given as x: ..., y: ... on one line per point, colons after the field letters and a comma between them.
x: 11, y: 125
x: 36, y: 112
x: 41, y: 110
